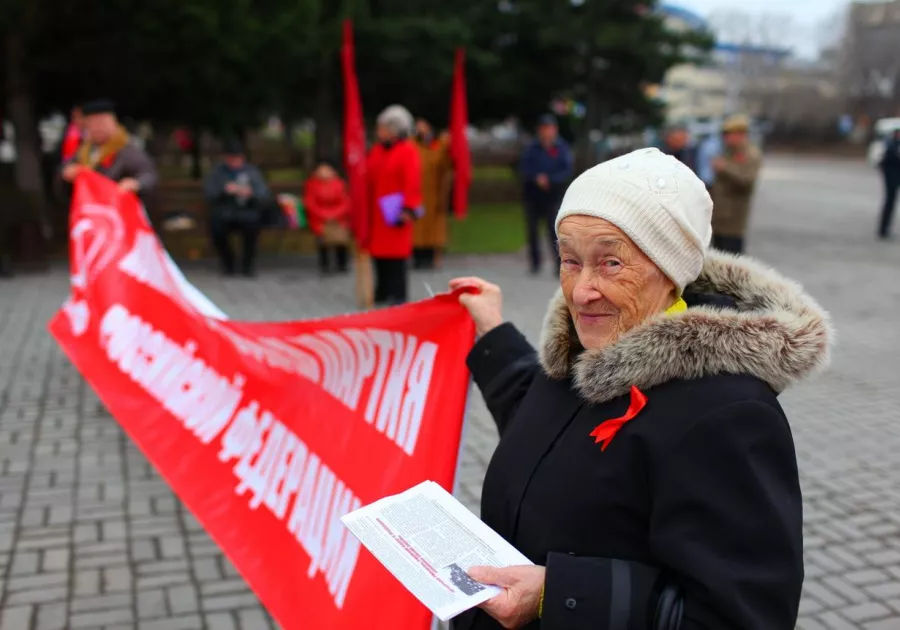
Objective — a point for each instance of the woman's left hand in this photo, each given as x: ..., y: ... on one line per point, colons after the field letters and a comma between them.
x: 518, y: 604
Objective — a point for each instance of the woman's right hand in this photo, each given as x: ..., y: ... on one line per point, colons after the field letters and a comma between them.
x: 485, y: 305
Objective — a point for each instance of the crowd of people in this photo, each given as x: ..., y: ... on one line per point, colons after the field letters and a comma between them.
x: 411, y: 175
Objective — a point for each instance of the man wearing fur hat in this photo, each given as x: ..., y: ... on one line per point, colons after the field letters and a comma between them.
x: 109, y: 150
x: 395, y: 189
x: 736, y: 171
x: 645, y: 465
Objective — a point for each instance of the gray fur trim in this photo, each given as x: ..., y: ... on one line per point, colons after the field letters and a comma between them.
x: 777, y: 333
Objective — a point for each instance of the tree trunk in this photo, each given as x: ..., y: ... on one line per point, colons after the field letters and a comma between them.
x: 593, y: 116
x: 328, y: 136
x: 327, y: 127
x: 196, y: 154
x: 20, y: 106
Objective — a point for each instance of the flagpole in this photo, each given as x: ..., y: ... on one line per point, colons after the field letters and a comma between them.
x: 355, y: 163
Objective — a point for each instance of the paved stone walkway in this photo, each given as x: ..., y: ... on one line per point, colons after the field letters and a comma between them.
x: 91, y: 537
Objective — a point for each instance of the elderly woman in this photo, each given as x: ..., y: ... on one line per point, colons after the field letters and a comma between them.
x: 395, y: 193
x: 645, y: 465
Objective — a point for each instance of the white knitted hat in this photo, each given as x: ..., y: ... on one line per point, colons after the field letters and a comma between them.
x: 657, y: 201
x: 397, y: 118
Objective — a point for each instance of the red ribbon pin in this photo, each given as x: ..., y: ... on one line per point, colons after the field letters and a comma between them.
x: 606, y: 431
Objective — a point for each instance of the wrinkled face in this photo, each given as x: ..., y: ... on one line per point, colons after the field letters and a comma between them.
x: 609, y: 284
x: 735, y: 139
x: 324, y: 171
x: 100, y: 127
x: 384, y: 133
x: 235, y: 162
x: 547, y: 134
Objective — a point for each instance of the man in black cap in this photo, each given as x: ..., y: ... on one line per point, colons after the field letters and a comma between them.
x: 546, y: 170
x: 108, y: 149
x: 237, y: 195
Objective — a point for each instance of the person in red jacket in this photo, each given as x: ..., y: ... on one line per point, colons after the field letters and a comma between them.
x: 395, y: 194
x: 327, y: 204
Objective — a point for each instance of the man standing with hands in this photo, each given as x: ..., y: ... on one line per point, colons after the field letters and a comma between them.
x: 237, y: 194
x: 736, y: 171
x: 108, y: 149
x: 546, y: 170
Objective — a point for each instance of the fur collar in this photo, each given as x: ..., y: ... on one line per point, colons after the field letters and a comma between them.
x: 107, y: 151
x: 776, y: 332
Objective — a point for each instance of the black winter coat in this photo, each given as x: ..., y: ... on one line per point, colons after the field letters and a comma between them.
x: 699, y: 491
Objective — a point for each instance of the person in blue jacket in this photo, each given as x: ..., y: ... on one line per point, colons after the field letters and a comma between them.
x: 546, y: 170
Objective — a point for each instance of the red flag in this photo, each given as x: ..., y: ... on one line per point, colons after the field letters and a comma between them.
x: 459, y: 142
x: 268, y: 431
x: 354, y: 139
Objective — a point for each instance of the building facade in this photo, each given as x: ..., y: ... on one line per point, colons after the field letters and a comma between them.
x: 723, y: 85
x: 870, y: 59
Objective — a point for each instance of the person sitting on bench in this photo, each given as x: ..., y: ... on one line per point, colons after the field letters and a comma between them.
x: 237, y: 194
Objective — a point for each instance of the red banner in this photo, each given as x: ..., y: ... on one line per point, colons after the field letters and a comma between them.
x: 269, y: 432
x: 354, y: 140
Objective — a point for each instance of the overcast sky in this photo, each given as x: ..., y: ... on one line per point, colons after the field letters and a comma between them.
x: 807, y: 15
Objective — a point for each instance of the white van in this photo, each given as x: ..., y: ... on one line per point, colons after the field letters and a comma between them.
x: 884, y: 128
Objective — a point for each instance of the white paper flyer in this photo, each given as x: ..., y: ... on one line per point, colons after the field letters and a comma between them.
x: 428, y: 540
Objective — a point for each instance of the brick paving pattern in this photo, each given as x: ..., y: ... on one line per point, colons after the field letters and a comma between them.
x: 91, y: 537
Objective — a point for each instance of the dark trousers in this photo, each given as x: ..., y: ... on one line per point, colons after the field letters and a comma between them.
x: 390, y: 280
x: 541, y: 210
x: 221, y: 231
x: 733, y: 244
x: 6, y: 239
x: 424, y: 257
x: 327, y: 252
x: 891, y: 184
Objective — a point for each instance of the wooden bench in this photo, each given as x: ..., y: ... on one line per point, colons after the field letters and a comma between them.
x: 186, y: 197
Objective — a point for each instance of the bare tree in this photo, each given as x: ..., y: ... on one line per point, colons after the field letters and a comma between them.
x: 768, y: 30
x: 757, y: 38
x: 830, y: 33
x: 870, y: 59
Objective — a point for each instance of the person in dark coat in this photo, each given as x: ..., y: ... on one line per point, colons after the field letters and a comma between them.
x: 645, y: 464
x: 677, y: 143
x: 546, y: 169
x: 108, y: 149
x: 237, y: 195
x: 890, y: 168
